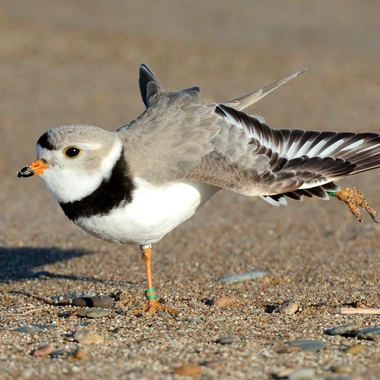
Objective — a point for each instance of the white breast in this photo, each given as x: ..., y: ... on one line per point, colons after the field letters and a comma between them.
x: 154, y: 211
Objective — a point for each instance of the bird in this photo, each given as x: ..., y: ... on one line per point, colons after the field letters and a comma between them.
x: 136, y: 184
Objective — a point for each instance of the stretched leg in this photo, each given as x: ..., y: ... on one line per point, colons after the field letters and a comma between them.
x: 152, y: 305
x: 353, y: 198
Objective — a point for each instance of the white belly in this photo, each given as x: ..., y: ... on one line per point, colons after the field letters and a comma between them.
x: 153, y: 213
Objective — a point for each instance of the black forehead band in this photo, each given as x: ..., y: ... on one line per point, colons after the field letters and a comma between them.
x: 44, y: 142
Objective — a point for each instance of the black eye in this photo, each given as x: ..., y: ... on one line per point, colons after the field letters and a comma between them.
x: 71, y: 151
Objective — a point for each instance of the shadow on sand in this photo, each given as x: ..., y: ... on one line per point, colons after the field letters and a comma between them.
x: 20, y: 263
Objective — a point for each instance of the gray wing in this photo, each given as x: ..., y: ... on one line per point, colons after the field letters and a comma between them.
x: 170, y: 137
x: 251, y: 158
x: 177, y: 132
x: 177, y: 137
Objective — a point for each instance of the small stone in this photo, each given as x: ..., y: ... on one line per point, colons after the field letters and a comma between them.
x: 93, y: 313
x: 162, y: 313
x: 188, y: 370
x: 85, y: 324
x: 44, y: 350
x: 78, y: 354
x: 369, y: 333
x: 195, y: 320
x: 43, y: 326
x: 225, y: 340
x: 342, y: 368
x: 30, y: 330
x: 287, y: 307
x: 287, y: 350
x: 95, y: 301
x: 353, y: 350
x: 302, y: 374
x: 343, y: 329
x: 225, y: 301
x: 284, y: 373
x: 64, y: 299
x: 219, y: 319
x: 308, y: 344
x: 240, y: 277
x: 87, y: 336
x: 57, y: 353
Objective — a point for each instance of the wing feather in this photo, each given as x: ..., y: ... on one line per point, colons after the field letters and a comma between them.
x: 295, y: 162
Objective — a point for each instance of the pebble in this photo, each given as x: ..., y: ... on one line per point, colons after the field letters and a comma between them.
x: 225, y: 340
x: 302, y: 374
x: 342, y: 368
x: 343, y: 329
x: 225, y: 301
x: 195, y: 320
x: 369, y: 333
x: 68, y: 298
x: 219, y: 319
x: 93, y: 313
x: 287, y: 307
x: 85, y: 323
x: 95, y: 301
x: 77, y: 354
x: 43, y: 326
x: 287, y: 349
x: 188, y: 370
x: 353, y: 350
x: 30, y: 330
x: 44, y: 350
x: 57, y: 353
x: 308, y: 344
x: 87, y: 336
x: 240, y: 277
x: 163, y: 313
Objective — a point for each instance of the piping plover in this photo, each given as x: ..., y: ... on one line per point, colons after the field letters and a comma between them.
x: 136, y: 184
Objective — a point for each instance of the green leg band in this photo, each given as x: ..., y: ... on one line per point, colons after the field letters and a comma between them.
x: 150, y: 293
x: 331, y: 193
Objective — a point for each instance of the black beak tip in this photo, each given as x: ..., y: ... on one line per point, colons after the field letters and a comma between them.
x: 24, y: 172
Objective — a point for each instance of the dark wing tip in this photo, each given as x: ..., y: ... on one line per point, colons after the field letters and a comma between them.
x: 146, y: 76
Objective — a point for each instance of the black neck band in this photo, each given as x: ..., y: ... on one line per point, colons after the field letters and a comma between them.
x: 110, y: 194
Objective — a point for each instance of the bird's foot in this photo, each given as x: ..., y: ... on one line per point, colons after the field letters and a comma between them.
x: 353, y: 198
x: 153, y: 306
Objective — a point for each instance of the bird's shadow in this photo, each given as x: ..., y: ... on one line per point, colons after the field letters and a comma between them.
x: 21, y: 263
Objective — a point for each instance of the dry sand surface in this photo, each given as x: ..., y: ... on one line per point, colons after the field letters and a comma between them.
x: 67, y: 62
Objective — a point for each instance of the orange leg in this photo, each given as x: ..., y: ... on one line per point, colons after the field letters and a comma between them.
x: 152, y: 305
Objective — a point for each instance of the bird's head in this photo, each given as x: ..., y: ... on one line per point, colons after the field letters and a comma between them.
x: 73, y: 160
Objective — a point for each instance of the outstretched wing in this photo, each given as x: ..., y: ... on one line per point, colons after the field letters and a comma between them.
x: 178, y: 137
x: 251, y: 158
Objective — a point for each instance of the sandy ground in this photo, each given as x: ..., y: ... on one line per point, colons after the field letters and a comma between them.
x: 67, y: 62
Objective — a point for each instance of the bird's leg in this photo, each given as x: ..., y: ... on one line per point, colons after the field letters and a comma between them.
x: 152, y: 305
x: 352, y: 198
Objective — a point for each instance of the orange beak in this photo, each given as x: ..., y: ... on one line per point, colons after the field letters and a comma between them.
x: 37, y: 167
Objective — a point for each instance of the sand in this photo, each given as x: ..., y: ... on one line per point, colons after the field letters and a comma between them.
x: 67, y: 62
